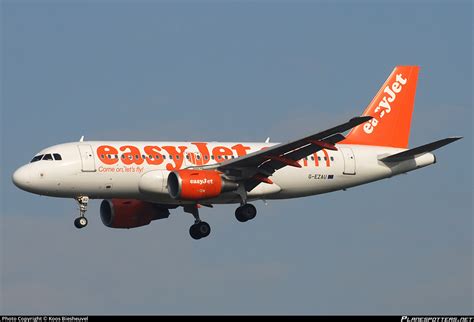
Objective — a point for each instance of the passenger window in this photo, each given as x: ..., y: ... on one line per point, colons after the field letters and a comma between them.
x: 312, y: 158
x: 319, y: 158
x: 332, y: 158
x: 212, y: 157
x: 177, y: 157
x: 171, y: 157
x: 157, y: 156
x: 48, y: 157
x: 206, y: 157
x: 57, y: 156
x: 36, y: 158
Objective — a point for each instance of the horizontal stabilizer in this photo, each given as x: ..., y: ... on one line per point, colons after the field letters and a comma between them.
x: 411, y: 153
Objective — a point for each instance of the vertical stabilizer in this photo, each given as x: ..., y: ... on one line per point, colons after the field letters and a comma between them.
x: 391, y: 110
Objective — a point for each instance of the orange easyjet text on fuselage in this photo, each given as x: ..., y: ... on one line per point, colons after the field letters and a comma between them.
x: 174, y: 156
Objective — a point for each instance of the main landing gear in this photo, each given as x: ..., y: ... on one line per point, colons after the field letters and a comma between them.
x: 245, y: 212
x: 81, y: 221
x: 200, y: 229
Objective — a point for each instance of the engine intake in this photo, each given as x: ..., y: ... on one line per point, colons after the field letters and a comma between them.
x: 198, y: 184
x: 123, y: 213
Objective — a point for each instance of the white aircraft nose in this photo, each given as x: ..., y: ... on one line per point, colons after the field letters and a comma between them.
x: 21, y: 178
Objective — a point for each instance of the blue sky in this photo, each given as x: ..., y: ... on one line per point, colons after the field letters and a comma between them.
x: 238, y: 71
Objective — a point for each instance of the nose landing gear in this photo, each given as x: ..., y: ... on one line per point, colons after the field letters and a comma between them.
x: 81, y: 221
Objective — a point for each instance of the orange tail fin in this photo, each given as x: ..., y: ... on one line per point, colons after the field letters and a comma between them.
x: 391, y: 110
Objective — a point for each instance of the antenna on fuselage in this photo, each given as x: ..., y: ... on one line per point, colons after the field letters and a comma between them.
x: 267, y: 140
x: 81, y: 139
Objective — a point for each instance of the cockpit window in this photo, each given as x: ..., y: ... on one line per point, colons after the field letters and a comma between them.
x: 48, y: 157
x: 36, y: 158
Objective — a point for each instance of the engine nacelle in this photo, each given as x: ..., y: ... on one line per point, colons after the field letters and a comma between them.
x: 198, y: 184
x: 130, y: 213
x: 153, y: 183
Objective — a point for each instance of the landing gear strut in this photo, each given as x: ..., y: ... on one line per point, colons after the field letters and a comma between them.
x: 200, y: 229
x: 81, y: 221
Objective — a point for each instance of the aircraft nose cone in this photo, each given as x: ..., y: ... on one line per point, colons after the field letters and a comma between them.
x: 21, y: 178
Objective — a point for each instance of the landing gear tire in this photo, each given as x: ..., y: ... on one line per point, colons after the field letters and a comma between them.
x: 80, y: 222
x: 200, y: 230
x: 245, y: 212
x: 239, y: 216
x: 194, y: 232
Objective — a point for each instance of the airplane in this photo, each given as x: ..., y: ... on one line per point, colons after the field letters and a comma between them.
x: 140, y: 182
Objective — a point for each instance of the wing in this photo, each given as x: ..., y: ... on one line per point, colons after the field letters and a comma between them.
x: 256, y: 167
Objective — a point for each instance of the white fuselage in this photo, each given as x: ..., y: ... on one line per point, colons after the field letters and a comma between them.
x: 133, y: 170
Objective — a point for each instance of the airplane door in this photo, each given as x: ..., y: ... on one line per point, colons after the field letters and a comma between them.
x: 349, y: 160
x: 87, y: 157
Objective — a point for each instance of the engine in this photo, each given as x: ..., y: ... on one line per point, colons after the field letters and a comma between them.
x: 198, y: 184
x: 124, y: 213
